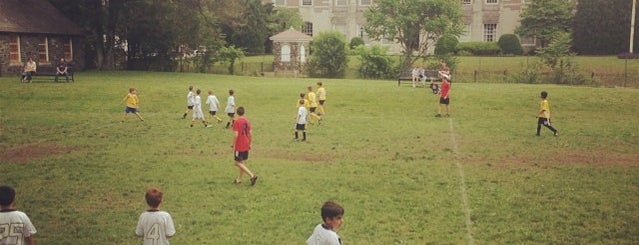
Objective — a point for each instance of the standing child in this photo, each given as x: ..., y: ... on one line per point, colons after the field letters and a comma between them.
x: 197, y: 109
x: 190, y: 96
x: 321, y: 94
x: 444, y: 98
x: 132, y: 104
x: 154, y: 225
x: 241, y: 145
x: 16, y: 227
x: 230, y: 108
x: 214, y: 105
x: 324, y: 234
x: 300, y: 121
x: 312, y: 101
x: 543, y: 117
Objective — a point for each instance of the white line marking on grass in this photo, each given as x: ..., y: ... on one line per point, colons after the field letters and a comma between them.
x: 464, y: 196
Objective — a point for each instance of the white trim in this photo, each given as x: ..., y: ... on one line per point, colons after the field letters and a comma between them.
x: 19, y: 62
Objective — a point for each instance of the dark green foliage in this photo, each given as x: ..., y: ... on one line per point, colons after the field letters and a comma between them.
x: 603, y: 27
x: 329, y: 58
x: 356, y: 41
x: 478, y: 48
x: 509, y: 44
x: 446, y: 45
x: 375, y: 62
x: 543, y: 18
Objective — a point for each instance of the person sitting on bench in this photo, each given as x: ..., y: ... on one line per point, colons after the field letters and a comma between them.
x: 29, y: 69
x: 62, y: 69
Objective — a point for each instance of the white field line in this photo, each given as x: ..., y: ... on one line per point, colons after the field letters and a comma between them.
x: 463, y: 188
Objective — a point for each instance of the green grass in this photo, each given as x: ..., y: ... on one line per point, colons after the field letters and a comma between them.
x: 81, y: 175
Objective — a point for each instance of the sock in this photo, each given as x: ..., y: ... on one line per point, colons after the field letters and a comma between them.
x: 184, y: 116
x: 296, y: 135
x: 538, y: 129
x: 303, y: 135
x: 228, y: 124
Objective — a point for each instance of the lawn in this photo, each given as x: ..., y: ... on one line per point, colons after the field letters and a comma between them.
x: 402, y: 175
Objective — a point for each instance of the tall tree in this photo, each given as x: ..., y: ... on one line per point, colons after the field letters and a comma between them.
x: 329, y: 58
x: 543, y: 18
x: 603, y: 27
x: 415, y: 24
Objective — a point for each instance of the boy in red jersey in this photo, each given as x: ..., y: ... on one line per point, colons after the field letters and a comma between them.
x: 444, y: 99
x: 242, y: 145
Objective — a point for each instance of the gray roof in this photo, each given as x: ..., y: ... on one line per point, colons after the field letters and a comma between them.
x: 34, y: 16
x: 291, y: 35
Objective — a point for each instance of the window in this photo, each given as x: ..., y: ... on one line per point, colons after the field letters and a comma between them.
x: 43, y: 50
x: 307, y: 28
x: 466, y: 2
x: 341, y: 2
x: 68, y: 49
x: 492, y: 1
x: 365, y: 2
x: 307, y: 2
x: 302, y: 54
x: 286, y: 53
x: 14, y: 50
x: 489, y: 32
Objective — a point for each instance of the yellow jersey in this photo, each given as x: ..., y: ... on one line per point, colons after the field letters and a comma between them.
x: 321, y: 93
x: 297, y: 103
x: 131, y: 100
x: 312, y: 99
x: 544, y: 110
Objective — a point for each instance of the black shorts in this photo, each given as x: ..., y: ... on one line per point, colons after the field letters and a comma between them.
x: 212, y: 113
x: 322, y: 102
x: 312, y: 109
x: 190, y: 107
x: 130, y: 110
x: 444, y: 101
x: 300, y: 126
x: 230, y: 114
x: 241, y: 156
x: 544, y: 121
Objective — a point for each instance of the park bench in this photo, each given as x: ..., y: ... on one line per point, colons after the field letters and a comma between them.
x: 48, y: 72
x: 407, y: 76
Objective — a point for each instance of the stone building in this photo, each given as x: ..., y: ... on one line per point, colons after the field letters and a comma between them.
x: 36, y: 29
x: 290, y: 49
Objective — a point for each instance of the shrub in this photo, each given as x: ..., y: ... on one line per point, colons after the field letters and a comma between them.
x: 329, y: 56
x: 446, y: 45
x: 509, y: 44
x: 355, y: 42
x: 375, y: 62
x: 479, y: 48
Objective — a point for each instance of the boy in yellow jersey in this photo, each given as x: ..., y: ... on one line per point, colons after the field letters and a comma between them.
x: 543, y: 117
x: 302, y: 97
x: 132, y: 104
x: 312, y: 104
x: 321, y: 95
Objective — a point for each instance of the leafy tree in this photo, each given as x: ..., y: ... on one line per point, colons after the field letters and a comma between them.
x: 280, y: 19
x: 543, y: 18
x: 446, y: 44
x: 355, y: 42
x: 414, y: 24
x: 558, y: 57
x: 329, y: 55
x: 375, y: 62
x: 603, y: 27
x: 509, y: 44
x: 230, y: 55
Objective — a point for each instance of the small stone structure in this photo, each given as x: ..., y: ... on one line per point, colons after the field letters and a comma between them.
x: 291, y: 49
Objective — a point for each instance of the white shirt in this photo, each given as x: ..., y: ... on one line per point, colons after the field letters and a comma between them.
x: 230, y: 104
x: 323, y: 236
x: 302, y: 115
x: 189, y: 98
x: 155, y: 227
x: 197, y: 107
x: 213, y: 103
x: 18, y: 222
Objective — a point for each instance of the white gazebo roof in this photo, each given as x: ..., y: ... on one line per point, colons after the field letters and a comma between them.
x: 291, y: 35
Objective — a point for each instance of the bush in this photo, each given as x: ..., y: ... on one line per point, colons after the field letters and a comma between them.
x: 509, y: 44
x: 376, y: 63
x: 329, y: 56
x: 479, y: 48
x: 355, y: 42
x: 446, y: 45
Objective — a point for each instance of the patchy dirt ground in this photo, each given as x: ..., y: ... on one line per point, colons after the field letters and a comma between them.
x: 28, y: 152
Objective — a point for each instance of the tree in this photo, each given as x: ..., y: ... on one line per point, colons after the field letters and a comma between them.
x: 415, y: 24
x: 603, y: 27
x: 375, y: 62
x: 230, y: 54
x: 509, y: 44
x: 543, y: 18
x: 329, y: 55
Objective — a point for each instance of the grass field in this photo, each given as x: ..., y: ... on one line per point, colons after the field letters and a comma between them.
x: 403, y: 176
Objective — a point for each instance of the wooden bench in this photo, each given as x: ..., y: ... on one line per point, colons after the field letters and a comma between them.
x: 48, y: 73
x: 407, y: 76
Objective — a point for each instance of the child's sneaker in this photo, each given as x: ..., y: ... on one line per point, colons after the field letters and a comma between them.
x: 556, y: 133
x: 253, y: 180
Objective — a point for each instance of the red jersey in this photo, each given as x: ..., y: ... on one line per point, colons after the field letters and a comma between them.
x: 445, y: 89
x: 242, y: 128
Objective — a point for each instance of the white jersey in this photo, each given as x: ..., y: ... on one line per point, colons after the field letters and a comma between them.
x: 323, y: 236
x: 16, y: 226
x: 156, y: 227
x: 213, y: 103
x: 190, y: 98
x: 230, y: 104
x: 302, y: 115
x: 197, y: 107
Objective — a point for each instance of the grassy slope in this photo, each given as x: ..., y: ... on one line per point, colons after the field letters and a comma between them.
x: 379, y: 152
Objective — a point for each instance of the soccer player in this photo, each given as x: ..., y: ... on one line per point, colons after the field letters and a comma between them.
x: 324, y: 234
x: 241, y: 145
x: 214, y: 104
x: 230, y: 108
x: 543, y: 116
x: 300, y: 121
x: 132, y: 104
x: 312, y: 101
x: 15, y: 226
x: 197, y: 109
x: 154, y: 225
x: 189, y: 102
x: 321, y: 94
x: 444, y: 98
